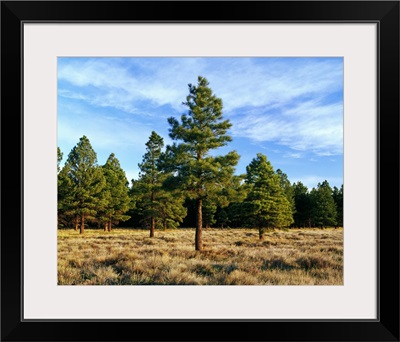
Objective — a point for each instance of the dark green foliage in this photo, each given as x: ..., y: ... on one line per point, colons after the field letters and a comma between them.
x: 303, y: 213
x: 189, y: 220
x: 323, y: 205
x: 65, y: 210
x: 115, y: 195
x: 149, y: 185
x: 199, y: 132
x: 266, y: 205
x: 157, y: 205
x: 209, y: 211
x: 338, y: 198
x: 287, y: 188
x: 222, y: 218
x: 236, y: 215
x: 86, y: 183
x: 59, y: 158
x: 171, y: 210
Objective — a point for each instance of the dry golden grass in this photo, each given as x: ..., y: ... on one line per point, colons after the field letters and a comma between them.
x: 230, y: 257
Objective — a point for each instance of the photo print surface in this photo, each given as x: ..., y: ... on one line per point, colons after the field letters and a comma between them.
x: 200, y: 171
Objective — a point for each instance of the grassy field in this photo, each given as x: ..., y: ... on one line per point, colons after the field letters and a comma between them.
x: 230, y: 257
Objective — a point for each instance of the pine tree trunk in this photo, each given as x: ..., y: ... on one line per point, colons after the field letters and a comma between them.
x: 109, y: 225
x: 152, y: 226
x: 105, y: 226
x: 82, y: 224
x: 199, y: 223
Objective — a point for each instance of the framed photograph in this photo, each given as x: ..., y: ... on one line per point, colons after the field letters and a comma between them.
x: 169, y: 241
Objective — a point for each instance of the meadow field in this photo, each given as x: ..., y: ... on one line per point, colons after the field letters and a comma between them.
x: 230, y: 257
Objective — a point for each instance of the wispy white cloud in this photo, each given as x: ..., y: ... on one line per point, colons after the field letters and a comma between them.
x: 239, y: 82
x: 310, y: 126
x: 293, y: 155
x: 275, y: 83
x: 277, y: 100
x: 107, y: 134
x: 110, y: 83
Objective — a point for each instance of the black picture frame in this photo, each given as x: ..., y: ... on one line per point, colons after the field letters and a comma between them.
x: 384, y: 13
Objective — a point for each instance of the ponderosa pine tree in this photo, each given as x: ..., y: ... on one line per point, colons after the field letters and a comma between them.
x: 287, y: 188
x: 149, y: 185
x: 87, y: 182
x: 323, y: 205
x: 116, y: 200
x: 303, y: 215
x: 199, y: 132
x: 158, y: 205
x: 266, y: 204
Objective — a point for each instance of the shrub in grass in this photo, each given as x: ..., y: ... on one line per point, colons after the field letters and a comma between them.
x: 312, y: 262
x: 276, y: 263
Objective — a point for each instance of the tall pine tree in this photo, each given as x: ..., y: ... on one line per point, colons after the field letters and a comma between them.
x: 303, y: 214
x: 117, y: 200
x: 287, y: 188
x: 201, y: 131
x: 150, y: 180
x: 323, y: 205
x: 87, y: 182
x: 159, y: 205
x: 266, y: 204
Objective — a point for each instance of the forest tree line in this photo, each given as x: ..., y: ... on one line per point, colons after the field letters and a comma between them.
x: 185, y: 185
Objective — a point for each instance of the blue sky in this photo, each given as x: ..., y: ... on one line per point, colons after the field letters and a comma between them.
x: 290, y: 109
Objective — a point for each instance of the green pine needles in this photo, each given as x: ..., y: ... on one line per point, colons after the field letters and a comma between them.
x: 199, y: 132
